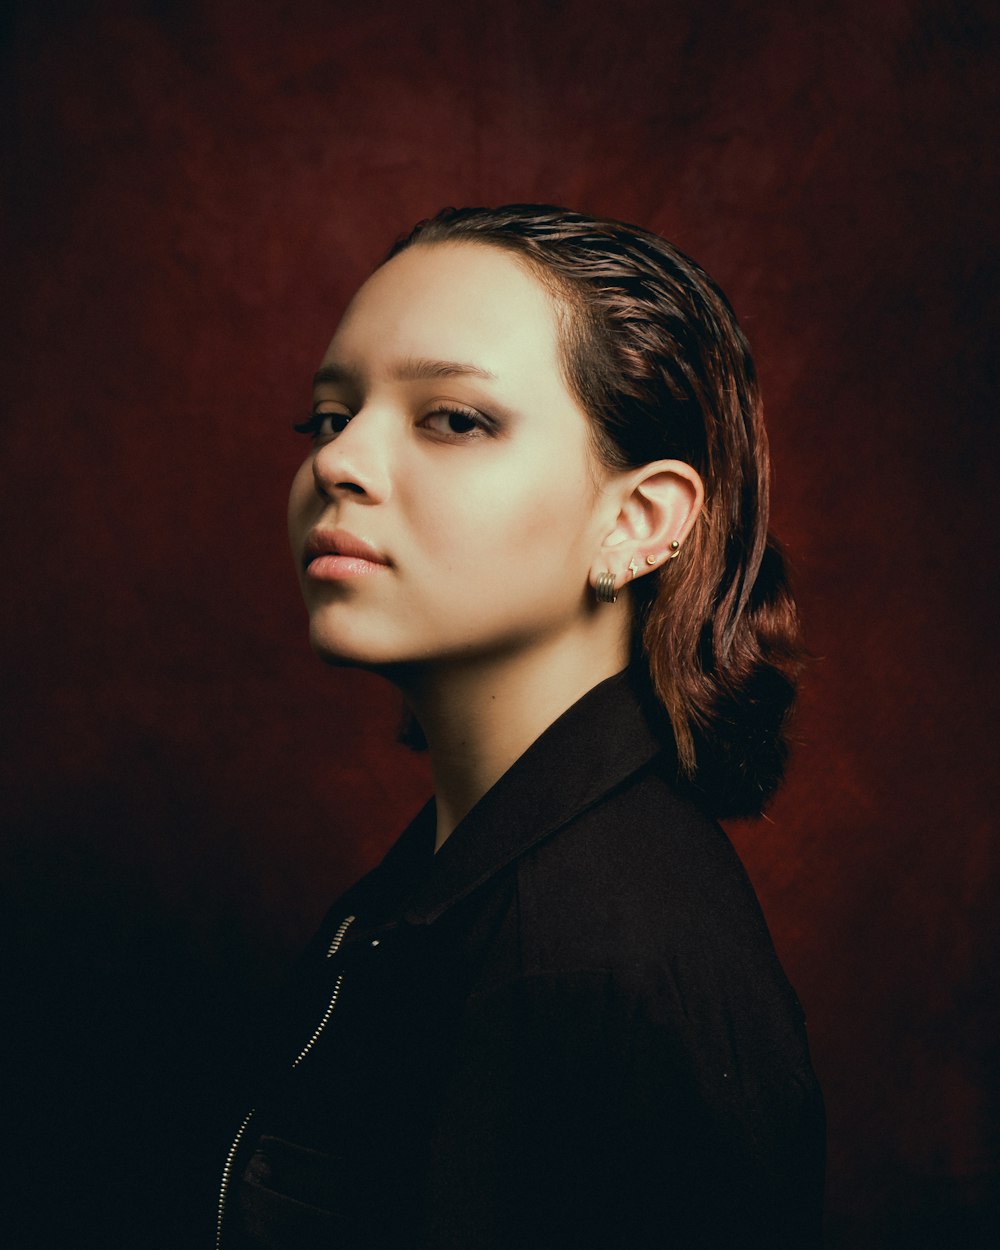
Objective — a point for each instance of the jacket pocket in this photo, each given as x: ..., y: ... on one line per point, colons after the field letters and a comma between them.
x: 297, y: 1198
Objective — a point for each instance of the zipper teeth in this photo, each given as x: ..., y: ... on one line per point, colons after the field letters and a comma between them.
x: 334, y: 946
x: 338, y: 937
x: 322, y: 1024
x: 227, y: 1169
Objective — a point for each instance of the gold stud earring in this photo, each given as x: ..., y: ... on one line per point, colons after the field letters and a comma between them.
x: 633, y: 568
x: 675, y: 549
x: 604, y: 587
x: 651, y: 559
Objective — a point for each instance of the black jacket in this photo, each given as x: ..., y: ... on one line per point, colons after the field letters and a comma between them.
x: 568, y: 1028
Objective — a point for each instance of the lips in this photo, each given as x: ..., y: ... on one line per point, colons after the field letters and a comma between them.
x: 331, y: 555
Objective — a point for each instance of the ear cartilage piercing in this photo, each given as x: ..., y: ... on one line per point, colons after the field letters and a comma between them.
x: 604, y: 587
x: 675, y: 551
x: 633, y: 568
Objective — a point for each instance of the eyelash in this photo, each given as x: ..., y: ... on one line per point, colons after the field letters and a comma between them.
x: 478, y: 422
x: 313, y: 424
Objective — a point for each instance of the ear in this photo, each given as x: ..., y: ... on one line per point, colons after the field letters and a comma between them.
x: 657, y: 506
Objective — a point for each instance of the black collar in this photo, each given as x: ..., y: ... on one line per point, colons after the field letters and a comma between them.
x: 593, y: 747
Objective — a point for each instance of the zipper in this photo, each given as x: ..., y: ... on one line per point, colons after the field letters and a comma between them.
x: 338, y: 937
x: 227, y: 1169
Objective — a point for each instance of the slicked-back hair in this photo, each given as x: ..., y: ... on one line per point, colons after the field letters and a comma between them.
x: 652, y: 351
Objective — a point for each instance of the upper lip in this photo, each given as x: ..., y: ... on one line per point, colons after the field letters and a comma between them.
x: 341, y: 543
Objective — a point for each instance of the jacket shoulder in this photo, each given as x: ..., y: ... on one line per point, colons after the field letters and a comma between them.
x: 643, y: 877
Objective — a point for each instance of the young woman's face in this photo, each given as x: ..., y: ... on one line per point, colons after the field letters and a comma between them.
x: 449, y: 507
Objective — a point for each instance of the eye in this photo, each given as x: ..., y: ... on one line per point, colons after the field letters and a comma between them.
x: 323, y: 424
x: 458, y: 423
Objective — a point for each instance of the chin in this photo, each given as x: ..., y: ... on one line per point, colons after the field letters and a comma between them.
x: 342, y: 648
x: 337, y: 653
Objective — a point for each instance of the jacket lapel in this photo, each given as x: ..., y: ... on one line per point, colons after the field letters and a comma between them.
x: 593, y: 747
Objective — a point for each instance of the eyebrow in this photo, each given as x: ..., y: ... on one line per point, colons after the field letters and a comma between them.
x: 409, y: 369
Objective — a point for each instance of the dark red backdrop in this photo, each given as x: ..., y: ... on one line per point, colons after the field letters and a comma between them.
x: 196, y: 190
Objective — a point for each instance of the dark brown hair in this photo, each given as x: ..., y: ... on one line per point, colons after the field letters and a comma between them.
x: 652, y: 350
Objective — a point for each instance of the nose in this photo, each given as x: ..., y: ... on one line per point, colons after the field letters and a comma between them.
x: 355, y: 462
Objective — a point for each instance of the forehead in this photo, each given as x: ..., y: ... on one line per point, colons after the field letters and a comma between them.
x: 456, y: 301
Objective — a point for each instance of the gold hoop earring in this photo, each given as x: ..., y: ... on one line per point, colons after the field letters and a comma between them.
x: 604, y: 587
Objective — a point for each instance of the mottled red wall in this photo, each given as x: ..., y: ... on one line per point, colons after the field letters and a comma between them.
x: 195, y: 189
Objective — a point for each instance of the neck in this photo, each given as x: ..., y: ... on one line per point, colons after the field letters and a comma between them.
x: 479, y: 717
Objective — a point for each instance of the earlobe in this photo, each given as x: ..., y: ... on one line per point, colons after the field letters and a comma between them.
x: 605, y: 588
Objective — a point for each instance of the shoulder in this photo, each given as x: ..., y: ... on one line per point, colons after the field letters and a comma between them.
x: 642, y: 874
x: 641, y: 908
x: 646, y: 887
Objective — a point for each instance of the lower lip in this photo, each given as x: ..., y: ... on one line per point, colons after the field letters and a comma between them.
x: 340, y: 568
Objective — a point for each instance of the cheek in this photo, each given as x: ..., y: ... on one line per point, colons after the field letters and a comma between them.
x: 517, y: 528
x: 299, y: 496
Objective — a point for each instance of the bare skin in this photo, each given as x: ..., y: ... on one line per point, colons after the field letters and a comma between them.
x: 446, y: 441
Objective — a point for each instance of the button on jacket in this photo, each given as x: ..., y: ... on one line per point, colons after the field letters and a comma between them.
x: 568, y: 1028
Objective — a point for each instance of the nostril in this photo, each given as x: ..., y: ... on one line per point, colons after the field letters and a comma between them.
x: 352, y: 463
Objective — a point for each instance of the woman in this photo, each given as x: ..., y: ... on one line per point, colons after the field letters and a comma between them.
x: 536, y: 501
